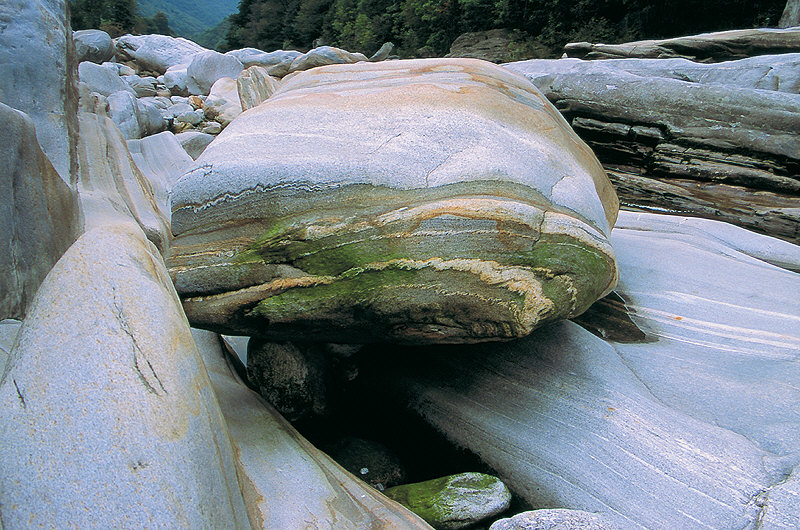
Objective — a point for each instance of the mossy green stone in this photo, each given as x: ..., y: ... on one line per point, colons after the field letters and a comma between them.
x: 455, y: 501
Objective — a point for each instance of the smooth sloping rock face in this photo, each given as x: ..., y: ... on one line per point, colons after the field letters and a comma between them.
x: 286, y: 482
x: 93, y: 45
x: 454, y: 502
x: 194, y: 142
x: 158, y: 52
x: 720, y: 46
x: 465, y: 211
x: 8, y: 334
x: 791, y: 15
x: 108, y: 419
x: 554, y: 520
x: 324, y: 55
x: 254, y: 57
x: 37, y: 61
x: 255, y: 86
x: 111, y: 185
x: 685, y: 417
x: 38, y: 214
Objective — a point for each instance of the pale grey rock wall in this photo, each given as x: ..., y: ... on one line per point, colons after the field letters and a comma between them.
x: 37, y: 58
x: 38, y: 214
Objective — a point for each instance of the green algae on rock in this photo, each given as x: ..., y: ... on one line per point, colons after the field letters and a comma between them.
x: 424, y: 201
x: 455, y: 501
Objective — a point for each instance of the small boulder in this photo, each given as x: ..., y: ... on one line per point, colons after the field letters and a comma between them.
x: 175, y: 79
x: 207, y: 67
x: 455, y: 501
x: 255, y: 86
x: 194, y: 142
x: 557, y: 519
x: 93, y: 45
x: 143, y: 86
x: 123, y: 110
x: 383, y: 53
x: 325, y: 55
x: 223, y: 103
x: 101, y: 79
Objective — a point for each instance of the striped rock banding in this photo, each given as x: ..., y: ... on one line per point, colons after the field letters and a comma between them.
x: 423, y: 201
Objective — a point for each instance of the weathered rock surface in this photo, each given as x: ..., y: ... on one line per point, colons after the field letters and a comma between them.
x: 142, y: 86
x: 286, y: 482
x: 684, y: 416
x: 111, y: 185
x: 656, y: 123
x: 555, y: 519
x: 791, y: 15
x: 494, y: 45
x: 396, y: 223
x: 719, y: 46
x: 157, y: 52
x: 108, y: 419
x: 175, y: 79
x: 38, y: 214
x: 454, y: 502
x: 93, y: 45
x: 37, y: 59
x: 207, y: 67
x: 194, y: 142
x: 255, y: 86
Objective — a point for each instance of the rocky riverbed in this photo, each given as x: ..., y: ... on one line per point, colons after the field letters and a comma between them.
x: 274, y: 289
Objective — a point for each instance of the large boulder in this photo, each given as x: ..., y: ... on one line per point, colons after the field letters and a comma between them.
x: 719, y: 46
x: 37, y: 59
x: 324, y: 55
x: 286, y: 481
x: 108, y: 418
x: 683, y: 416
x: 123, y: 109
x: 223, y: 104
x: 466, y: 211
x: 207, y: 67
x: 93, y: 45
x: 791, y: 14
x: 38, y: 214
x: 103, y: 80
x: 556, y: 519
x: 157, y: 52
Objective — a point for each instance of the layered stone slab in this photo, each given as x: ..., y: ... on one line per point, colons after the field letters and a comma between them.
x: 418, y: 201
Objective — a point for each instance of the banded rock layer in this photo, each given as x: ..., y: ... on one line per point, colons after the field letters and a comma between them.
x: 424, y: 201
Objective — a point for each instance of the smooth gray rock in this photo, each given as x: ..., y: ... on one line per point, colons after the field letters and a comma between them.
x: 157, y: 52
x: 555, y: 519
x: 791, y: 15
x: 9, y: 329
x: 207, y: 67
x: 383, y: 52
x: 322, y: 56
x: 223, y: 104
x: 194, y: 142
x: 434, y: 241
x: 718, y: 46
x: 456, y: 501
x: 107, y: 415
x: 111, y: 185
x: 254, y: 57
x: 285, y: 481
x: 102, y: 80
x: 123, y: 109
x: 38, y: 214
x: 162, y: 160
x: 255, y: 86
x: 93, y: 45
x: 176, y: 78
x: 151, y: 116
x: 684, y: 417
x: 39, y: 78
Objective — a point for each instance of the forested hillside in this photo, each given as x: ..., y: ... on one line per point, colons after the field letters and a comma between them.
x: 428, y: 27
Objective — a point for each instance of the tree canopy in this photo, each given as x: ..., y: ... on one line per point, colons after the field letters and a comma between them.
x: 428, y: 27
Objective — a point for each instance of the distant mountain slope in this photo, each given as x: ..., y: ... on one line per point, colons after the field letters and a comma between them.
x: 190, y: 17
